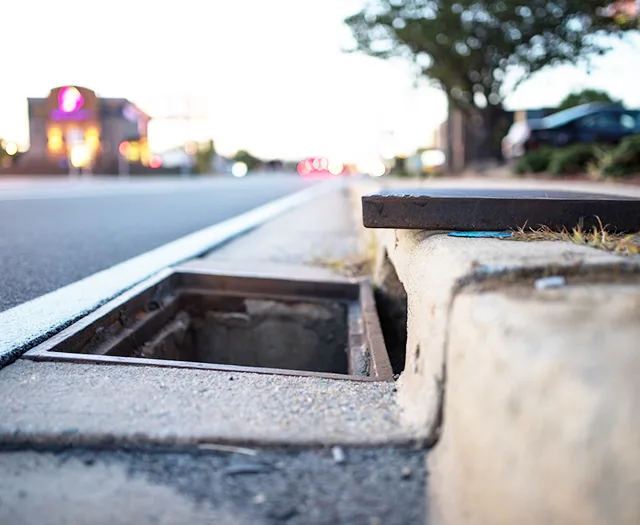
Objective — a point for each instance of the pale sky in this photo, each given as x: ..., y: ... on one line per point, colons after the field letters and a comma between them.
x: 265, y: 75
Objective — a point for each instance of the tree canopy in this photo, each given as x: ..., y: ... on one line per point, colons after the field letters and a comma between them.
x: 587, y: 96
x: 246, y: 157
x: 468, y: 46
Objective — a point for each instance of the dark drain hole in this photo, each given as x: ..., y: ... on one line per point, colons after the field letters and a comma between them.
x: 391, y: 304
x: 213, y: 321
x: 257, y: 333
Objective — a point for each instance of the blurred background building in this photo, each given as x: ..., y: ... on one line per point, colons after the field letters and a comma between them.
x: 73, y: 127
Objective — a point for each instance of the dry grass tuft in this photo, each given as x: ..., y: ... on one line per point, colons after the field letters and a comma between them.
x: 358, y: 265
x: 354, y: 266
x: 599, y: 238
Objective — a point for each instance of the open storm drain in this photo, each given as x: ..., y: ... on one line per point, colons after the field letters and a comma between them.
x: 226, y: 322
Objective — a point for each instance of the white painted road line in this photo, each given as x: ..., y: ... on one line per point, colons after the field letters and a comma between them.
x: 30, y: 323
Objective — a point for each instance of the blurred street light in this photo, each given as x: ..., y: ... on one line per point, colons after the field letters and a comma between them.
x: 191, y: 148
x: 374, y: 168
x: 335, y: 168
x: 80, y: 156
x: 378, y: 169
x: 11, y: 148
x: 92, y: 139
x: 54, y: 139
x: 134, y: 152
x: 433, y: 158
x: 155, y: 162
x: 239, y: 169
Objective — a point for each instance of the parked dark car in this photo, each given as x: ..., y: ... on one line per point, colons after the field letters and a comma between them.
x: 589, y: 123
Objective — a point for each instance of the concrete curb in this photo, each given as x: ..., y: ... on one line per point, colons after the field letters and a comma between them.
x: 539, y: 393
x: 521, y: 389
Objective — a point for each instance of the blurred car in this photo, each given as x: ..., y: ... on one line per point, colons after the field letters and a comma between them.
x: 320, y: 167
x: 588, y: 123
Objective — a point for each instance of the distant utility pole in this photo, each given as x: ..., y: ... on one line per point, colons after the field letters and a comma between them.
x: 386, y: 147
x: 190, y: 114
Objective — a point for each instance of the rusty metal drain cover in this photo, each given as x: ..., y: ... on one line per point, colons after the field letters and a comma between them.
x: 498, y: 209
x: 233, y: 323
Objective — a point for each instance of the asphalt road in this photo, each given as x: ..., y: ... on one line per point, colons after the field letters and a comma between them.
x: 53, y: 233
x: 275, y: 487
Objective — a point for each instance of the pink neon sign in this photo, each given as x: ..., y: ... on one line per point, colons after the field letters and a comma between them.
x: 70, y: 99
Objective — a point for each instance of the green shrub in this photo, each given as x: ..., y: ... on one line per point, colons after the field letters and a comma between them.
x: 572, y: 159
x: 623, y: 160
x: 533, y: 161
x: 597, y: 159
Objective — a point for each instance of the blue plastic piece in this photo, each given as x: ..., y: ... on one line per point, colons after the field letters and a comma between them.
x: 482, y: 235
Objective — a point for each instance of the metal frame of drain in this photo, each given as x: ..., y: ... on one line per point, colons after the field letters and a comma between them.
x: 364, y: 332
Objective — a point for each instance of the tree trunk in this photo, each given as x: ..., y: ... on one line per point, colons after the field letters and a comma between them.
x: 474, y: 136
x: 488, y: 127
